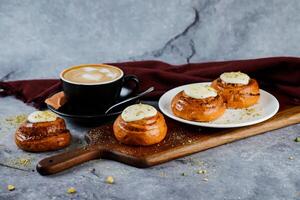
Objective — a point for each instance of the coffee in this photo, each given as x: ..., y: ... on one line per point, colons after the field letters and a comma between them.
x: 92, y: 74
x: 92, y: 88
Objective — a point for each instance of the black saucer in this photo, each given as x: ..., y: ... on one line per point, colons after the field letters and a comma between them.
x: 95, y: 117
x: 88, y: 117
x: 98, y: 116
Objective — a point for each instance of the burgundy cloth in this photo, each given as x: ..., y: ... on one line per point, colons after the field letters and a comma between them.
x: 278, y: 75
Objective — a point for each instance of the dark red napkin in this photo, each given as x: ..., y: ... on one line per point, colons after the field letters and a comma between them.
x: 278, y: 75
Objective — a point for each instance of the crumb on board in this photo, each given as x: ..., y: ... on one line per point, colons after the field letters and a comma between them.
x: 297, y: 139
x: 205, y: 179
x: 291, y: 158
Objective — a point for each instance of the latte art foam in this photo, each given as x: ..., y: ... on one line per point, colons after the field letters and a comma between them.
x: 91, y: 77
x: 92, y: 74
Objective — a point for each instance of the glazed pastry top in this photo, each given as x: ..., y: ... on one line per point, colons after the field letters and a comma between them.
x: 235, y: 78
x: 41, y: 116
x: 137, y: 112
x: 199, y: 91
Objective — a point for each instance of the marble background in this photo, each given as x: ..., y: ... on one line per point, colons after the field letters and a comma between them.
x: 39, y: 38
x: 37, y: 34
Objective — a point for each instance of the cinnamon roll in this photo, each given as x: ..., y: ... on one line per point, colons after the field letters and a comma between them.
x: 237, y: 89
x: 140, y: 124
x: 43, y: 131
x: 198, y: 102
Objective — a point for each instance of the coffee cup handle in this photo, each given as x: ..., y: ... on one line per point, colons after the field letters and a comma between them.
x: 132, y: 91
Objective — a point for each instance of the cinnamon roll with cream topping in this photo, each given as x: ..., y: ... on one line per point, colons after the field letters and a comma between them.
x: 140, y: 124
x: 43, y: 131
x: 198, y: 102
x: 237, y: 89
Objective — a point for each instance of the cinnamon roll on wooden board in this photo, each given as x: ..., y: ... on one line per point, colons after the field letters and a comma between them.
x: 43, y: 131
x: 237, y: 89
x: 140, y: 124
x: 198, y: 103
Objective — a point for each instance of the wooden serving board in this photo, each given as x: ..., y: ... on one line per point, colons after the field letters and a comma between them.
x: 181, y: 140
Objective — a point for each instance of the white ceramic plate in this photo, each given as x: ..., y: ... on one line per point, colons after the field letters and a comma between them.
x: 263, y: 110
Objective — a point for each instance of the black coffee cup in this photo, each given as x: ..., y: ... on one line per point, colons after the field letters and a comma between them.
x: 97, y: 97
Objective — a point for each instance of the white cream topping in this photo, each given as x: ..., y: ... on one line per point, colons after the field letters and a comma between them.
x: 235, y: 78
x: 200, y: 91
x: 41, y: 116
x: 137, y: 112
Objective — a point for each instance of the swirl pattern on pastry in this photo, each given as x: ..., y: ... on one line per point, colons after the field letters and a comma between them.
x: 146, y: 131
x: 237, y: 95
x: 43, y: 136
x: 203, y: 110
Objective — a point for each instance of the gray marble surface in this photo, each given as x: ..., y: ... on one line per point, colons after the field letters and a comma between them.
x: 40, y: 38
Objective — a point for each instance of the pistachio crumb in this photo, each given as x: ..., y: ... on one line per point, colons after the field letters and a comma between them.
x: 109, y: 180
x: 183, y: 174
x: 297, y: 139
x: 24, y: 161
x: 11, y: 187
x: 201, y: 171
x: 16, y: 120
x: 71, y: 190
x: 163, y: 174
